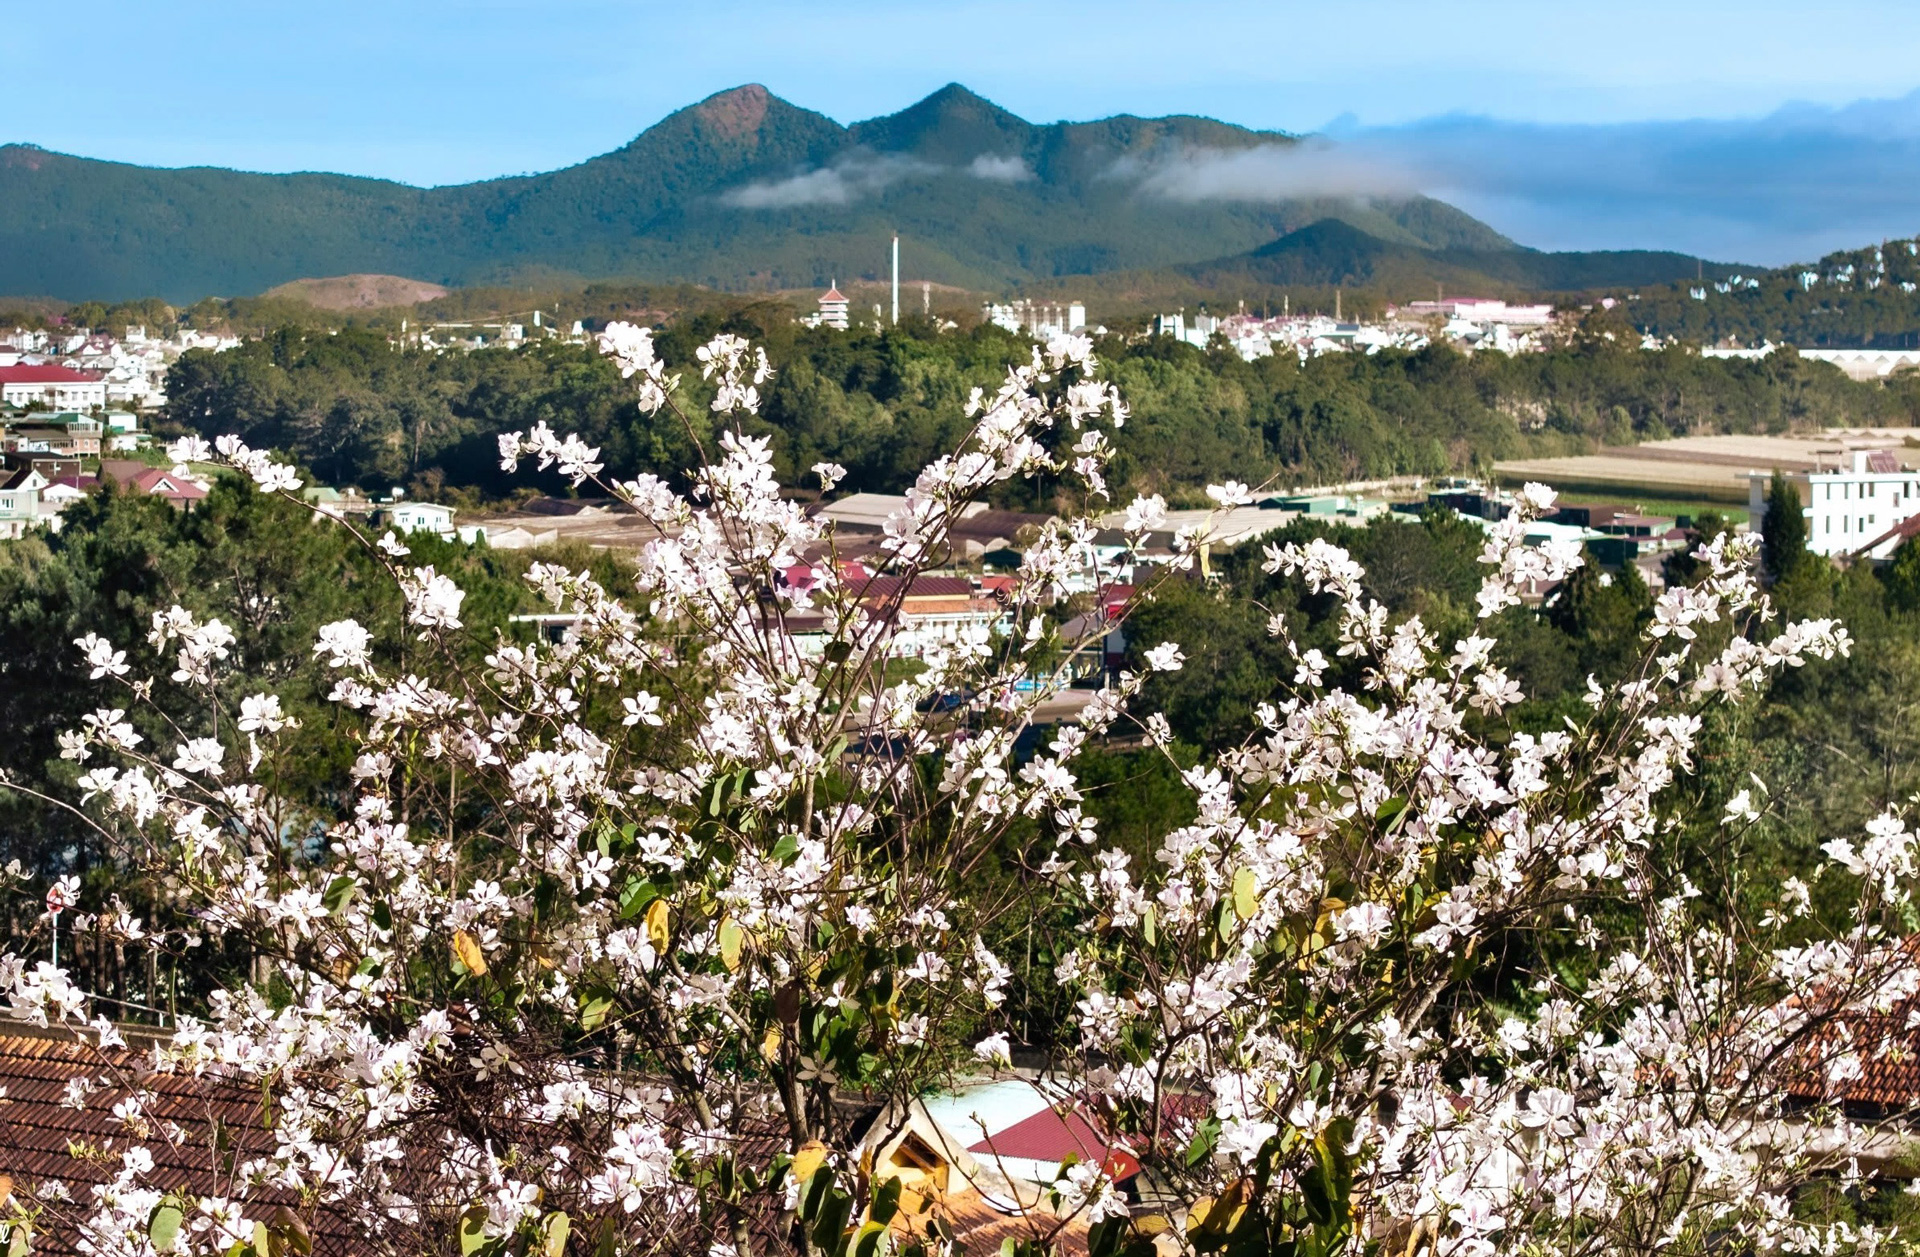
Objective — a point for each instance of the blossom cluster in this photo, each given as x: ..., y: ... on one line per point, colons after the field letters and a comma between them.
x: 605, y: 933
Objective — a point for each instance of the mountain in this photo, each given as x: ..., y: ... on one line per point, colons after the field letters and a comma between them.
x: 1332, y: 252
x: 742, y: 190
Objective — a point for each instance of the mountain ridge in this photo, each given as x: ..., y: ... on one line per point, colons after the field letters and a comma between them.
x: 742, y: 190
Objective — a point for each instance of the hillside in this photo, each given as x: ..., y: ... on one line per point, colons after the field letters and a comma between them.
x: 741, y: 191
x: 357, y: 292
x: 1853, y: 298
x: 1309, y: 263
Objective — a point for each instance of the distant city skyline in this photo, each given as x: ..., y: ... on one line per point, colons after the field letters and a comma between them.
x: 1604, y: 98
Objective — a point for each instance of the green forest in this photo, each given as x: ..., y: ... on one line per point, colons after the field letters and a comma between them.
x: 355, y: 409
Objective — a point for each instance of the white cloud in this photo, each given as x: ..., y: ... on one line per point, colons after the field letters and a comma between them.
x: 1266, y: 172
x: 1000, y: 169
x: 839, y: 184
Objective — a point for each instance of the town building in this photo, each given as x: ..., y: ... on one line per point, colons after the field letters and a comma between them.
x: 1042, y: 320
x: 1852, y: 509
x: 419, y: 517
x: 833, y: 309
x: 20, y: 489
x: 1481, y: 310
x: 68, y: 434
x: 56, y: 387
x: 180, y: 492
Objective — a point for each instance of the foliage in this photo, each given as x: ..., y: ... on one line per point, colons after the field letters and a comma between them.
x: 355, y: 408
x: 1852, y: 297
x: 1784, y: 530
x: 603, y: 937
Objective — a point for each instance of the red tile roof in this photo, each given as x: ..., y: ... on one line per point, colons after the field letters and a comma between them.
x: 163, y: 483
x: 47, y: 375
x: 43, y: 1138
x: 1050, y: 1135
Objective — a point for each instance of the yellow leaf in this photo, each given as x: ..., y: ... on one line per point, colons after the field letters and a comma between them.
x: 466, y: 948
x: 1198, y: 1211
x: 657, y: 924
x: 770, y: 1046
x: 812, y: 1155
x: 731, y: 937
x: 1243, y: 898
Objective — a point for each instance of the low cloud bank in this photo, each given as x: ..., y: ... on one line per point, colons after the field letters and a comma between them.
x: 839, y: 184
x: 1787, y: 187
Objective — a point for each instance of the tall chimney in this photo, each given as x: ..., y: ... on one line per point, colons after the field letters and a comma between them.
x: 896, y: 279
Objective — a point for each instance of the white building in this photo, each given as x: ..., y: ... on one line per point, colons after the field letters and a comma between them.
x: 833, y: 309
x: 1482, y: 310
x: 419, y: 517
x: 1849, y: 510
x: 58, y: 387
x: 1042, y: 320
x: 19, y: 500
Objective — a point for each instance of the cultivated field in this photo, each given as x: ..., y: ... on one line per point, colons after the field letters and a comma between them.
x: 1705, y: 468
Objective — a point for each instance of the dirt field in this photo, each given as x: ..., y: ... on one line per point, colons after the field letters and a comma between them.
x: 358, y: 292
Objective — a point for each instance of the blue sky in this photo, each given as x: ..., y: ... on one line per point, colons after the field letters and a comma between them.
x: 1473, y: 95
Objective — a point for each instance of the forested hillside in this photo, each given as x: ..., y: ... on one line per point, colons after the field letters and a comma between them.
x: 742, y: 190
x: 356, y: 409
x: 1865, y: 297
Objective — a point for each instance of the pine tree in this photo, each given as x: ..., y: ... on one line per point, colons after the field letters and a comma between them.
x: 1902, y: 577
x: 1783, y: 531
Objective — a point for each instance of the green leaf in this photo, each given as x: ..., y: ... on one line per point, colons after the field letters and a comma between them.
x: 834, y: 1212
x: 886, y: 1201
x: 594, y: 1008
x: 868, y: 1241
x: 1317, y: 1193
x: 163, y: 1228
x: 473, y: 1231
x: 819, y: 1191
x: 635, y: 896
x: 339, y: 894
x: 839, y: 651
x: 1205, y: 1137
x: 1390, y: 809
x: 553, y: 1235
x: 1147, y: 926
x: 20, y: 1243
x: 786, y: 849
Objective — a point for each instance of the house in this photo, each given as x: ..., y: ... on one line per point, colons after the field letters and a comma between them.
x: 67, y: 433
x: 418, y: 517
x: 181, y: 493
x: 63, y: 491
x: 1024, y: 1132
x: 1851, y: 510
x: 123, y: 430
x: 979, y: 1206
x: 20, y: 489
x: 930, y: 610
x: 52, y: 466
x: 61, y: 388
